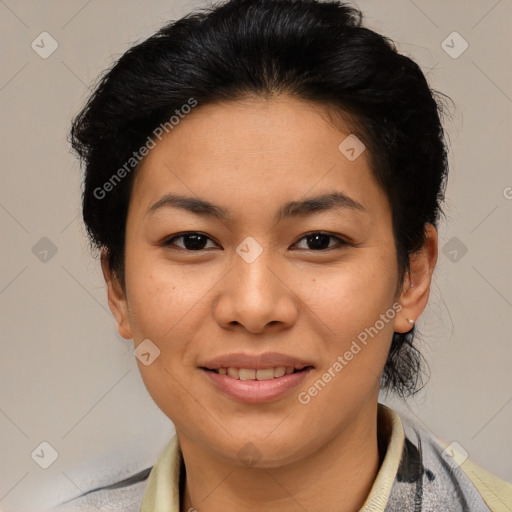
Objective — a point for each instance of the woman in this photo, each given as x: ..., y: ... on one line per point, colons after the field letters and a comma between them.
x: 264, y: 180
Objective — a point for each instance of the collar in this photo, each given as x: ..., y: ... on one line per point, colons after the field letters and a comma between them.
x: 162, y: 493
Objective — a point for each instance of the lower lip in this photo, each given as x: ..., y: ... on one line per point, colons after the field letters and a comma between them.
x: 257, y: 391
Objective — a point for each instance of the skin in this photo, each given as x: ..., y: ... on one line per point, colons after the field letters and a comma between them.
x: 250, y: 157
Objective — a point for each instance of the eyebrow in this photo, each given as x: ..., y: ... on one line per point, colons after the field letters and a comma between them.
x: 301, y: 208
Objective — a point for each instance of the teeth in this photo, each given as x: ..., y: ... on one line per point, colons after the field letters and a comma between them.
x: 264, y: 374
x: 279, y: 371
x: 246, y: 374
x: 233, y: 372
x: 253, y: 374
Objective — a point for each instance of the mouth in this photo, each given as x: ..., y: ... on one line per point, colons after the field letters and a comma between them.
x: 257, y: 374
x: 257, y: 386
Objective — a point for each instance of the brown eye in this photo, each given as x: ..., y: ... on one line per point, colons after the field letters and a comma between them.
x: 191, y: 241
x: 320, y: 241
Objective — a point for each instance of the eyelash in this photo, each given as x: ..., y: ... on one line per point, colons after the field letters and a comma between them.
x: 168, y: 241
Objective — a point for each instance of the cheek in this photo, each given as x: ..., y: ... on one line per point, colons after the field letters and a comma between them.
x: 161, y: 296
x: 350, y: 302
x: 351, y: 296
x: 162, y: 302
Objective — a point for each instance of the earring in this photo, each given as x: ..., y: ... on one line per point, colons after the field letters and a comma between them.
x: 410, y: 321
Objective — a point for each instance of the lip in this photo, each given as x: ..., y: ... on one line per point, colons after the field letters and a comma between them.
x: 256, y: 361
x: 257, y: 391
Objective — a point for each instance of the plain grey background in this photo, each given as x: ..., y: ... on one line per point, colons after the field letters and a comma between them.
x: 68, y: 379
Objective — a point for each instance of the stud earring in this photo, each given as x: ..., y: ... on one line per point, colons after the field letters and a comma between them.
x: 410, y: 321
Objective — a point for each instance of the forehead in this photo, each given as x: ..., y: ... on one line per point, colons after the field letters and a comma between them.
x: 255, y: 149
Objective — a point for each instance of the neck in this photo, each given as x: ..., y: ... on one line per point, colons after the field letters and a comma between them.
x: 339, y: 476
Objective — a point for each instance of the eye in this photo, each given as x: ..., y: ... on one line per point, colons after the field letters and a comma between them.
x: 192, y: 241
x: 320, y: 241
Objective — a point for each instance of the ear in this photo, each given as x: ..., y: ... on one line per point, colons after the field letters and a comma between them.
x: 116, y: 298
x: 416, y: 289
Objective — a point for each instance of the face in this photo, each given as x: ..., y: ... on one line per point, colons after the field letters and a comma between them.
x: 293, y: 256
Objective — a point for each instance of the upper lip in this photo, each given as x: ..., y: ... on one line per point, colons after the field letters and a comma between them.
x: 255, y: 361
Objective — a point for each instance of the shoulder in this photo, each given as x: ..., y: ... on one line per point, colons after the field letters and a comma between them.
x: 125, y: 495
x: 435, y: 468
x: 496, y: 492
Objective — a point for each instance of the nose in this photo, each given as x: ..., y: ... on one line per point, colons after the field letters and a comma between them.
x: 257, y: 296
